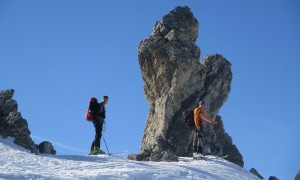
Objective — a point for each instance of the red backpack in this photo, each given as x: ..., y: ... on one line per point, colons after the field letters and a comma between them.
x: 92, y: 109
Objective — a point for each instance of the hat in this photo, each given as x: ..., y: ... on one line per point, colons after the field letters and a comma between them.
x: 105, y: 97
x: 201, y: 103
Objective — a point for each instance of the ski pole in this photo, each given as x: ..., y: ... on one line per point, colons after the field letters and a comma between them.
x: 106, y: 145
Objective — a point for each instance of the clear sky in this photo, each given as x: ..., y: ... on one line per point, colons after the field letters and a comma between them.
x: 58, y: 54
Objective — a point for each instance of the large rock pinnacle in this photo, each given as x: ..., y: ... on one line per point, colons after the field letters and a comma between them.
x: 175, y: 81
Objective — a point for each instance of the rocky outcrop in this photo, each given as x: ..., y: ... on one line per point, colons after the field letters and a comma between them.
x: 175, y: 81
x: 11, y: 122
x: 273, y: 178
x: 220, y: 143
x: 46, y: 147
x: 297, y: 177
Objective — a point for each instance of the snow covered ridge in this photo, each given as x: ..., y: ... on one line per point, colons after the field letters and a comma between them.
x: 19, y: 163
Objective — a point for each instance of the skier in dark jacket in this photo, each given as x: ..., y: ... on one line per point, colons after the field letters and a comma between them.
x: 98, y: 124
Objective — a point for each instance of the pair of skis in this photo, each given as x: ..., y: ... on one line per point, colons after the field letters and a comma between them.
x: 209, y: 157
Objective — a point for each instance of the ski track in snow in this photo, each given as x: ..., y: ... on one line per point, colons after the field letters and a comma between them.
x: 18, y: 163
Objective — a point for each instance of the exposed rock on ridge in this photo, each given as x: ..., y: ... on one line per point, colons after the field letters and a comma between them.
x: 46, y: 147
x: 297, y: 177
x: 11, y: 122
x: 175, y: 81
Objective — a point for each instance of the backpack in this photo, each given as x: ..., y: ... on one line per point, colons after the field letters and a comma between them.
x: 92, y: 109
x: 188, y: 117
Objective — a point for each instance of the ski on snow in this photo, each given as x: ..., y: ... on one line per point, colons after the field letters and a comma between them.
x: 208, y: 157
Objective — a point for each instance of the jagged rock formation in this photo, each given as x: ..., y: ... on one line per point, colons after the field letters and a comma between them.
x: 11, y: 122
x: 175, y: 81
x: 46, y: 147
x: 297, y: 177
x: 254, y: 171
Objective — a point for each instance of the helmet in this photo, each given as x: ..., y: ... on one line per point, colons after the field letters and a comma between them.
x: 201, y: 103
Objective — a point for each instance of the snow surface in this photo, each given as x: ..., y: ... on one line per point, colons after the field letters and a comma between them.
x: 18, y: 163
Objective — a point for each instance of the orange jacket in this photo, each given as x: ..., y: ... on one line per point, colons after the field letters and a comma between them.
x: 198, y: 115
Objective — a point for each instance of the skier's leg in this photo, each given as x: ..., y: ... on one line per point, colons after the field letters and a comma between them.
x: 97, y: 135
x: 200, y: 142
x: 195, y: 142
x: 199, y: 147
x: 92, y: 151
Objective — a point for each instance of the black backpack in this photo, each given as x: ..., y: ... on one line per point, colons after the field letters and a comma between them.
x: 188, y: 117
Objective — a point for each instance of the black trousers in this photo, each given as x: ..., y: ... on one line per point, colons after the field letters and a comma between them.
x: 197, y: 143
x: 98, y: 134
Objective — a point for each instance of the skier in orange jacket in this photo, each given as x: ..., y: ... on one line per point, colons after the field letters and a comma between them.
x: 199, y: 116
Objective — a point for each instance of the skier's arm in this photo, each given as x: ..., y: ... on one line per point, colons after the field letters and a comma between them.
x: 203, y: 116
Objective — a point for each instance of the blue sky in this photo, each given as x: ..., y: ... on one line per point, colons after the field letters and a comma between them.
x: 58, y: 54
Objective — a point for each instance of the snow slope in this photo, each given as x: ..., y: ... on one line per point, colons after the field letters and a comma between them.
x: 17, y: 163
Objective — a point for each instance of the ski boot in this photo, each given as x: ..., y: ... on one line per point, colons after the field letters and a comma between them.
x: 198, y: 156
x: 96, y: 151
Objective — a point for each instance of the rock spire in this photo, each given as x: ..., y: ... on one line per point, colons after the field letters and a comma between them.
x: 175, y: 81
